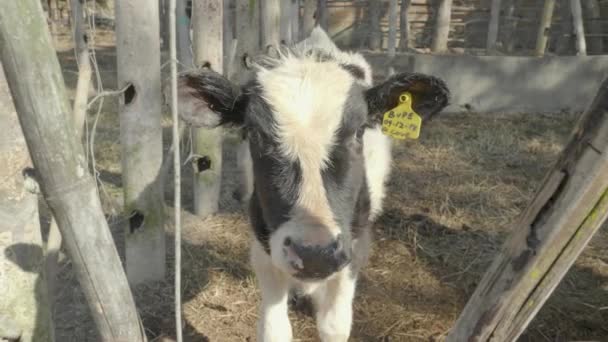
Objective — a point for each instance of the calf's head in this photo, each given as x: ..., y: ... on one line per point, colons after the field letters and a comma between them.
x: 305, y: 116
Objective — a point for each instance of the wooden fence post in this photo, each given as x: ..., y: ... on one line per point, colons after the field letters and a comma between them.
x: 138, y: 59
x: 550, y: 234
x: 493, y: 27
x: 442, y: 26
x: 404, y: 25
x: 270, y: 14
x: 592, y: 11
x: 295, y: 20
x: 25, y: 300
x: 392, y: 28
x: 207, y: 22
x: 34, y: 76
x: 579, y: 30
x: 543, y: 30
x: 322, y: 14
x: 375, y: 32
x: 510, y: 27
x: 308, y: 17
x: 184, y: 43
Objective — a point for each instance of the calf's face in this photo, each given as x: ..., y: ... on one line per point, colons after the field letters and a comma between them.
x: 305, y: 119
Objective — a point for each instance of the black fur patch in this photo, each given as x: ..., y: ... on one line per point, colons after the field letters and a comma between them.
x: 354, y: 70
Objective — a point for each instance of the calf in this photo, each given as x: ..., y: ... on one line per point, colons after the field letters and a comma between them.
x: 319, y: 165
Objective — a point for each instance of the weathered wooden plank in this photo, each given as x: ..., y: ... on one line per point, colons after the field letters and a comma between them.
x: 138, y: 66
x: 442, y: 26
x: 493, y: 26
x: 543, y: 30
x: 208, y: 43
x: 295, y: 21
x: 567, y: 210
x: 34, y: 76
x: 579, y: 29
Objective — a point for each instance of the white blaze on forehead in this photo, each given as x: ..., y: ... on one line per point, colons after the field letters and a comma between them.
x: 307, y: 98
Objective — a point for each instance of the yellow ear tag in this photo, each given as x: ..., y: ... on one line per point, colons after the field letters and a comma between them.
x: 402, y: 122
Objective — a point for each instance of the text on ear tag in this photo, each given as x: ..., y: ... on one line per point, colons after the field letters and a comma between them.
x: 402, y: 122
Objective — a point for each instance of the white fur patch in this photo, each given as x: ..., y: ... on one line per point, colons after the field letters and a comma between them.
x: 273, y: 323
x: 308, y: 98
x: 378, y: 159
x: 333, y: 303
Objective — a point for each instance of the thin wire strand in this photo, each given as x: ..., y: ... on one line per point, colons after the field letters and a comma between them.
x: 177, y: 171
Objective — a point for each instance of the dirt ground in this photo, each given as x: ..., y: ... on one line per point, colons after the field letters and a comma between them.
x: 452, y: 198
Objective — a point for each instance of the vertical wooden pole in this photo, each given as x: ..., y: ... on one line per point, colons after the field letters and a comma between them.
x: 37, y: 86
x: 543, y: 30
x: 493, y: 27
x: 138, y: 60
x: 229, y: 37
x: 579, y: 30
x: 79, y: 34
x: 270, y: 14
x: 295, y: 20
x: 247, y: 20
x: 404, y: 25
x: 375, y: 33
x: 184, y: 43
x: 25, y: 299
x: 551, y: 233
x: 392, y: 28
x: 208, y: 43
x: 442, y: 26
x: 285, y: 22
x: 592, y: 11
x: 308, y: 17
x: 508, y: 36
x: 322, y: 15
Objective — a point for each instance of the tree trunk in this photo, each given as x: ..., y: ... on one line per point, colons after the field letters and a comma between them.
x: 184, y: 43
x: 591, y: 9
x: 493, y: 27
x: 442, y: 26
x: 308, y: 17
x: 208, y: 52
x: 34, y: 76
x: 551, y: 233
x: 579, y: 30
x: 25, y: 300
x: 138, y: 59
x: 270, y: 14
x: 543, y: 30
x: 404, y: 25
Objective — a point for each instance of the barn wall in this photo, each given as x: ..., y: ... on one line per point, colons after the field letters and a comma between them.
x: 492, y: 84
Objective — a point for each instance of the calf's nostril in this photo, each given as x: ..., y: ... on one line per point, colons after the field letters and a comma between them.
x: 287, y: 242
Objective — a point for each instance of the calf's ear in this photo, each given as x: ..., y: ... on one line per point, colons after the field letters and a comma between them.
x: 429, y: 94
x: 208, y: 99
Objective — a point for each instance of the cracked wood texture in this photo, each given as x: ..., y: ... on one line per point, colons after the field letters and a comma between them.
x: 568, y: 209
x: 37, y: 86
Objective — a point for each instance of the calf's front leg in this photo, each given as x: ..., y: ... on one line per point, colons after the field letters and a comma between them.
x: 333, y: 304
x: 273, y: 323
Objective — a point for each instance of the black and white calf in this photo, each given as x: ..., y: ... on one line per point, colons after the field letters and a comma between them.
x: 319, y: 162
